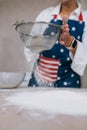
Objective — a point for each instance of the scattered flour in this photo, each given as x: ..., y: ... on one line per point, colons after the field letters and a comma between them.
x: 52, y: 102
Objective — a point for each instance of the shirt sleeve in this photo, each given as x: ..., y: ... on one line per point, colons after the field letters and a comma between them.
x: 45, y: 15
x: 80, y: 58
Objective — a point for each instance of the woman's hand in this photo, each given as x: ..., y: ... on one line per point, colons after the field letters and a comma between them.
x: 65, y: 37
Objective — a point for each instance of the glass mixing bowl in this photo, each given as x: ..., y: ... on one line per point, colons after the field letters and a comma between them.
x: 11, y: 79
x: 38, y: 36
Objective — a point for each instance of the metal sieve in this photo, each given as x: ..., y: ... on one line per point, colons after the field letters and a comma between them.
x: 38, y: 36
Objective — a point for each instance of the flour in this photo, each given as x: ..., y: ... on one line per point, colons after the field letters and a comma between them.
x: 52, y: 102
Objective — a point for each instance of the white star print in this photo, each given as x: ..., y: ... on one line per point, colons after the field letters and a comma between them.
x: 68, y: 58
x: 55, y: 20
x: 52, y: 33
x: 58, y: 78
x: 77, y: 81
x: 73, y: 28
x: 60, y: 64
x: 65, y: 83
x: 78, y: 37
x: 72, y: 75
x: 80, y: 22
x: 53, y: 56
x: 66, y: 71
x: 61, y: 50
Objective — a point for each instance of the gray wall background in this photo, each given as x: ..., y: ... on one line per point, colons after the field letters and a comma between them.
x: 11, y: 48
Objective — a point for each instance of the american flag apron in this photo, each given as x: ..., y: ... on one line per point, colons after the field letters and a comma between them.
x: 54, y: 66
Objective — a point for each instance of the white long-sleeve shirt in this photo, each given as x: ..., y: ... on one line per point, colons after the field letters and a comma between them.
x: 79, y: 60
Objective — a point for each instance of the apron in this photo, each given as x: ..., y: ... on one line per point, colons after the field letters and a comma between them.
x: 53, y: 68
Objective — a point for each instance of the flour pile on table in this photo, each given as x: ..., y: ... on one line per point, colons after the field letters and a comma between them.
x: 51, y: 101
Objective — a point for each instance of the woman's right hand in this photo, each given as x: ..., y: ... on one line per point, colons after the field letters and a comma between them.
x: 65, y: 37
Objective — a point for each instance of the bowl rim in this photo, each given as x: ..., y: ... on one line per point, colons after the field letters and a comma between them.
x: 37, y: 36
x: 8, y: 86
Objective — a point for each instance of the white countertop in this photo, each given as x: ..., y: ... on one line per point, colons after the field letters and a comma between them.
x: 15, y: 118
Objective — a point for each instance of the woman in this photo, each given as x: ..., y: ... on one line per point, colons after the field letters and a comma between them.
x: 57, y: 67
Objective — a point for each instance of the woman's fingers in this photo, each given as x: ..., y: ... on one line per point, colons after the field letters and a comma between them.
x: 65, y: 37
x: 66, y: 28
x: 65, y: 19
x: 62, y: 39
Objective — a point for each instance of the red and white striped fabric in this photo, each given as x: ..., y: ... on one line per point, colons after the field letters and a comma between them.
x: 47, y: 69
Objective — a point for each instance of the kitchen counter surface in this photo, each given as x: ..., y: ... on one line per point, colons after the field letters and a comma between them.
x: 15, y: 118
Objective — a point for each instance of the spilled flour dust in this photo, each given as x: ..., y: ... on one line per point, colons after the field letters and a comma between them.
x: 52, y: 102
